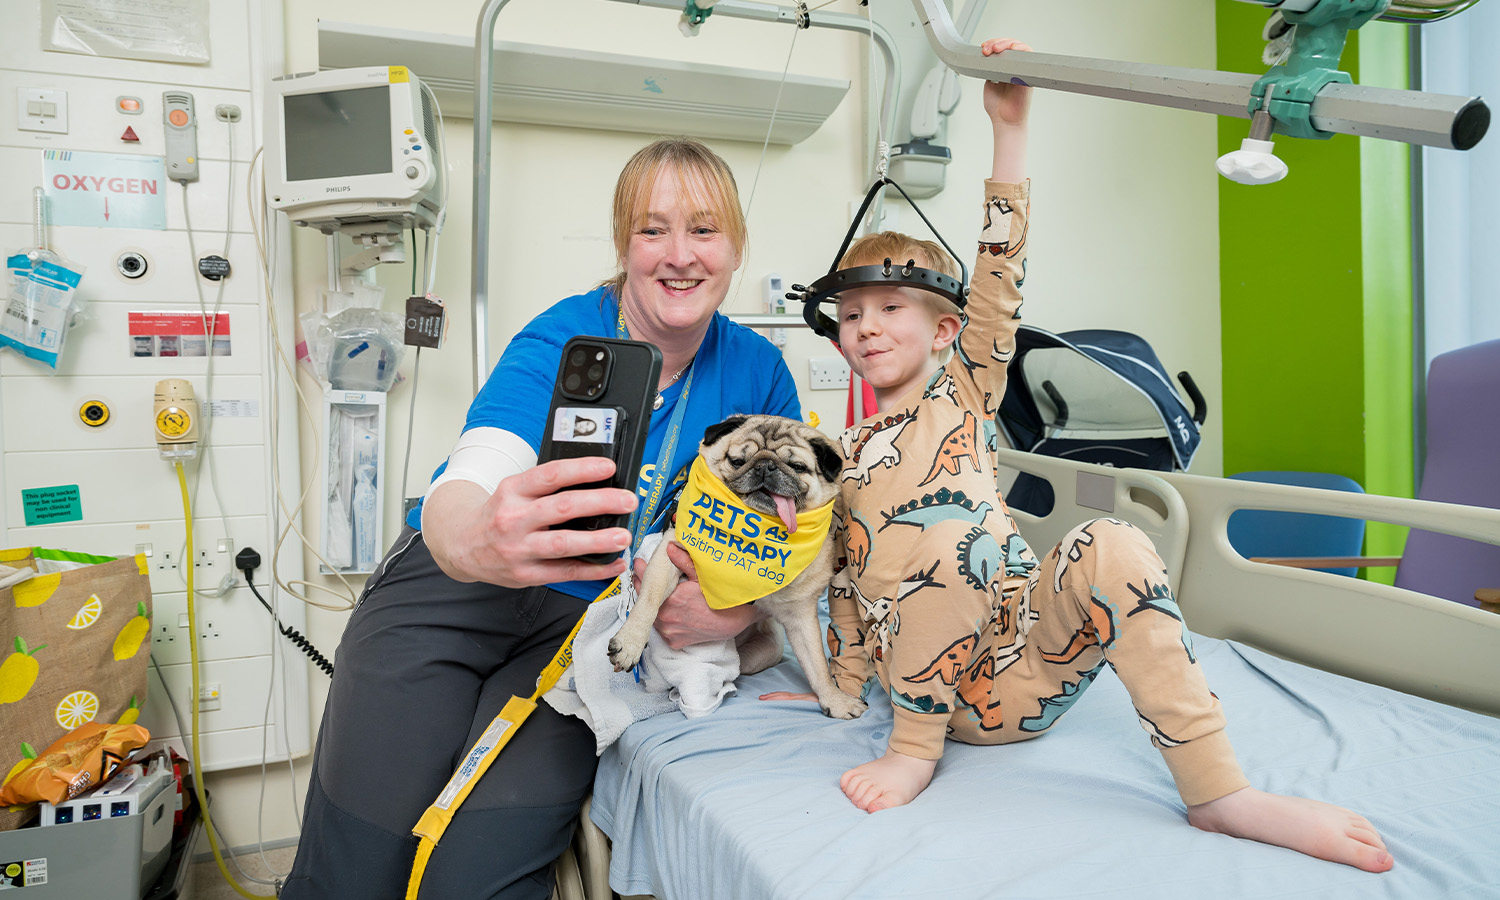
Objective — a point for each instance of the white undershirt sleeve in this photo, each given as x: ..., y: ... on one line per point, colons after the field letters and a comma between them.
x: 486, y: 457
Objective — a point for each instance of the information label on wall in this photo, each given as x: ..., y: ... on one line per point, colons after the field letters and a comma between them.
x: 49, y: 505
x: 167, y: 30
x: 105, y: 190
x: 168, y: 334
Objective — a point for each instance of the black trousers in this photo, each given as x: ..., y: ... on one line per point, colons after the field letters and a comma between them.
x: 424, y: 665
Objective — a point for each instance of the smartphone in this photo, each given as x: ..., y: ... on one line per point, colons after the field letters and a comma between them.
x: 601, y: 406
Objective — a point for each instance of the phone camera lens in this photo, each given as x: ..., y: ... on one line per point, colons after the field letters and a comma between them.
x: 572, y: 381
x: 577, y: 358
x: 596, y: 372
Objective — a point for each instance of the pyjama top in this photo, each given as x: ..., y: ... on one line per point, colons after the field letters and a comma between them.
x: 736, y: 371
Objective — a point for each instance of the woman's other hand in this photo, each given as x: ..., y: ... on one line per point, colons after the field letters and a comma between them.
x: 685, y: 618
x: 506, y: 538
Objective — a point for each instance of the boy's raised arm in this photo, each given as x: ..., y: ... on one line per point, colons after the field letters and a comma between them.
x: 1009, y: 108
x: 987, y: 341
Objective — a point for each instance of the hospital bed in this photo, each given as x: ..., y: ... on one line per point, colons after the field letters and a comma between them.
x: 1360, y: 694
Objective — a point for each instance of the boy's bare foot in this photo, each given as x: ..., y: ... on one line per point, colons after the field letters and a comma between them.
x: 1307, y: 826
x: 894, y: 779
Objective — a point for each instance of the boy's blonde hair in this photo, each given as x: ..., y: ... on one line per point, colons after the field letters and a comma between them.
x: 875, y: 249
x: 704, y: 177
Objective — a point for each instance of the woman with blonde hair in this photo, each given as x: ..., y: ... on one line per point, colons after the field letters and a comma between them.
x: 478, y: 592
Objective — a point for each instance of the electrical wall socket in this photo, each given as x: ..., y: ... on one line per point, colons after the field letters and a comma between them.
x: 211, y: 560
x: 828, y: 373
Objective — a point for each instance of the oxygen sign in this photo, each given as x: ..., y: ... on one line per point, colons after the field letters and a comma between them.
x: 105, y: 190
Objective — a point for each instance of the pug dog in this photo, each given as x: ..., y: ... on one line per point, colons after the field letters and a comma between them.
x: 778, y: 467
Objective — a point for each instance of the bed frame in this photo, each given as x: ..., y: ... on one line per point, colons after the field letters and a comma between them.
x: 1375, y: 633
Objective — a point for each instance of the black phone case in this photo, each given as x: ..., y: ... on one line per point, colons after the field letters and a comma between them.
x: 630, y: 389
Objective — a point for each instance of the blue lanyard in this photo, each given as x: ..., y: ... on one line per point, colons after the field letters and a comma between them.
x: 644, y: 517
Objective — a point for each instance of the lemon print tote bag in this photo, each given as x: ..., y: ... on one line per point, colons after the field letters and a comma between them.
x: 75, y: 640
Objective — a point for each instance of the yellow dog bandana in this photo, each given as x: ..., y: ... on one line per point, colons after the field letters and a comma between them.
x: 743, y: 554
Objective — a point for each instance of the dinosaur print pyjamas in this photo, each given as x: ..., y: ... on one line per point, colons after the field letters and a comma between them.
x: 974, y: 638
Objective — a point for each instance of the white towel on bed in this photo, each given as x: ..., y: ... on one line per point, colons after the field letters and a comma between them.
x: 694, y: 679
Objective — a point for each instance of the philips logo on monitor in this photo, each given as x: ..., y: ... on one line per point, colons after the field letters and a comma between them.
x: 337, y: 190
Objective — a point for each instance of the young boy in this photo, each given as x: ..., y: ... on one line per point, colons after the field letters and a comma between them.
x: 973, y: 637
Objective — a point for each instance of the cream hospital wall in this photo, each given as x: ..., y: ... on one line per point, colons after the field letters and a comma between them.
x: 1111, y: 180
x: 1125, y: 228
x: 1125, y: 234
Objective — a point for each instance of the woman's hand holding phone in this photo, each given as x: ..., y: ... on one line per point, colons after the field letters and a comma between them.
x: 507, y: 538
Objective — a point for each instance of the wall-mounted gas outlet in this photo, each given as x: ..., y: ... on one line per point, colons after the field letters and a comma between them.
x: 132, y: 264
x: 828, y: 373
x: 227, y: 112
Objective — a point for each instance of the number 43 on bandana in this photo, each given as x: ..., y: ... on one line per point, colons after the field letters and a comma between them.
x: 742, y: 554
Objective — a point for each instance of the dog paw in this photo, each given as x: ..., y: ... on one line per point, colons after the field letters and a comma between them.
x: 843, y: 706
x: 623, y: 655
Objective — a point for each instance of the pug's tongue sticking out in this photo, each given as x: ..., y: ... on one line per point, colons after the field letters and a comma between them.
x: 786, y: 508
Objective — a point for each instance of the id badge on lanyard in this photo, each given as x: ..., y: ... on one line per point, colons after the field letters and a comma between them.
x: 647, y: 512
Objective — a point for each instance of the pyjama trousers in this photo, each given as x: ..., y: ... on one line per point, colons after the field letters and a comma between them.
x: 1100, y: 596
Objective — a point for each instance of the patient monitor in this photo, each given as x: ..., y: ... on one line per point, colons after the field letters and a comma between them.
x: 353, y: 150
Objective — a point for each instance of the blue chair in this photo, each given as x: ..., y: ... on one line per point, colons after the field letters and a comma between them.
x: 1262, y: 534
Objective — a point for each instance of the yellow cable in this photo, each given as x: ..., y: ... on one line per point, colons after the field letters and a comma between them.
x: 213, y: 843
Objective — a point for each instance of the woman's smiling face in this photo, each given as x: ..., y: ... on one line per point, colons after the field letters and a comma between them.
x: 678, y: 263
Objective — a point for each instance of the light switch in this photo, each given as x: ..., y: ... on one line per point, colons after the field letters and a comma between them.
x: 42, y: 109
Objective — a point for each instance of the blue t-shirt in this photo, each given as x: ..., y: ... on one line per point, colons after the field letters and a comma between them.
x: 736, y: 371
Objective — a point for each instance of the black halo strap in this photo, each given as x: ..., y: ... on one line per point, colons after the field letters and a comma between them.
x: 838, y: 280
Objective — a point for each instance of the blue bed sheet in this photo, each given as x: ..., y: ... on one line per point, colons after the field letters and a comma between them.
x: 745, y: 803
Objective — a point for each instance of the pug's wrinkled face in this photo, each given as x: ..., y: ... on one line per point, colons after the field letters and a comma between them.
x: 776, y: 465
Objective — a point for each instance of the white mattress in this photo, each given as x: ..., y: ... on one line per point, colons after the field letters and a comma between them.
x: 745, y: 803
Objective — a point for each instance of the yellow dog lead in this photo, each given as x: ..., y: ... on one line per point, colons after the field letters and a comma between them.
x: 429, y: 829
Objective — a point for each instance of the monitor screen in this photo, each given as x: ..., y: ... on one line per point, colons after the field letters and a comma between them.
x: 337, y: 133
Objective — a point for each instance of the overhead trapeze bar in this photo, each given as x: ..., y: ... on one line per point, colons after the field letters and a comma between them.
x: 1308, y: 97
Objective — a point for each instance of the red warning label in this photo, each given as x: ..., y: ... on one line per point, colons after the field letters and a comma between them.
x: 172, y: 334
x: 154, y: 323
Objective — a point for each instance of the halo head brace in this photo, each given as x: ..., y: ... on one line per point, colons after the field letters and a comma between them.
x: 828, y: 288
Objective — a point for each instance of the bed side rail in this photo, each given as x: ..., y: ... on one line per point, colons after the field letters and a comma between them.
x: 1383, y: 635
x: 1085, y: 492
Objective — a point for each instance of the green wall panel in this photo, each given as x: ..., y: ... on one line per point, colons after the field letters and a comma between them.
x: 1316, y: 290
x: 1386, y: 223
x: 1291, y: 299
